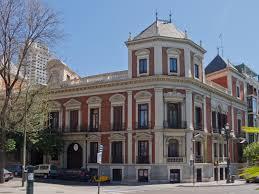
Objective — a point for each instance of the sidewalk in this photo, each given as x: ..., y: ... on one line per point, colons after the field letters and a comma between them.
x: 213, y: 184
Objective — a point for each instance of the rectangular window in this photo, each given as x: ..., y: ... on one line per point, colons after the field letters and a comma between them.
x: 94, y: 118
x: 198, y: 148
x: 117, y: 118
x: 173, y: 65
x: 225, y: 150
x: 215, y: 146
x: 142, y: 66
x: 143, y: 152
x: 198, y: 118
x: 196, y: 71
x: 238, y: 91
x: 143, y: 116
x: 214, y: 120
x: 239, y: 126
x: 93, y: 152
x: 73, y: 119
x: 220, y: 150
x: 116, y: 152
x: 54, y: 120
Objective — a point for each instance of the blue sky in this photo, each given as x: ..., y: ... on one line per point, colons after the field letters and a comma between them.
x: 96, y: 29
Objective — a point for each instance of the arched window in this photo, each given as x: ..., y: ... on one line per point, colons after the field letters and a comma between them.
x: 173, y: 148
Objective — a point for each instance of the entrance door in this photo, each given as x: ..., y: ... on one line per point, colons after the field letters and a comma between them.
x: 143, y: 175
x: 117, y: 175
x: 221, y: 176
x: 175, y: 176
x: 199, y: 175
x: 74, y: 156
x: 216, y: 176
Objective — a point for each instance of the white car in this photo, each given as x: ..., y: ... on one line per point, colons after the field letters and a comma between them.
x: 7, y: 175
x: 45, y: 170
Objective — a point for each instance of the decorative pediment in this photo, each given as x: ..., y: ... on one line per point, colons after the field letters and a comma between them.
x: 94, y: 100
x: 143, y: 95
x: 117, y: 98
x: 54, y: 105
x: 198, y: 59
x: 173, y: 51
x: 198, y: 98
x: 93, y: 137
x: 72, y: 103
x: 142, y: 52
x: 143, y: 136
x: 117, y: 136
x: 174, y: 96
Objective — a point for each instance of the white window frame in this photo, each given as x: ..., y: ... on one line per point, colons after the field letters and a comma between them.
x: 94, y: 102
x: 197, y: 61
x: 173, y: 53
x: 238, y: 88
x: 117, y: 100
x: 142, y: 54
x: 194, y: 73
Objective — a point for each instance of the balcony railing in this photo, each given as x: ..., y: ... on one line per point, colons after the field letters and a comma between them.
x: 147, y: 125
x: 198, y: 159
x: 118, y: 126
x: 92, y: 128
x: 198, y: 126
x: 143, y: 160
x: 92, y: 159
x: 215, y: 130
x: 178, y: 125
x: 117, y: 160
x: 175, y: 159
x: 77, y: 130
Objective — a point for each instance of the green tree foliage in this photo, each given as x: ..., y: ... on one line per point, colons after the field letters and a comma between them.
x: 251, y: 152
x: 10, y: 145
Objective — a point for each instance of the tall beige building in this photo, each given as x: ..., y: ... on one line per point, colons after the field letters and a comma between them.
x: 37, y: 60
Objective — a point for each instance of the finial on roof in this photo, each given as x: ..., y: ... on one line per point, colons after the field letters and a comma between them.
x: 185, y: 34
x: 129, y: 36
x: 170, y: 17
x: 200, y: 43
x: 156, y: 15
x: 218, y: 50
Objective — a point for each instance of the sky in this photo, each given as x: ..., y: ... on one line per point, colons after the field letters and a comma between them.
x: 95, y: 30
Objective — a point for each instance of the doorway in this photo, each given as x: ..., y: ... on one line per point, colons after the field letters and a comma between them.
x: 74, y: 156
x: 199, y: 175
x: 116, y: 175
x: 175, y: 176
x: 216, y: 176
x: 143, y: 175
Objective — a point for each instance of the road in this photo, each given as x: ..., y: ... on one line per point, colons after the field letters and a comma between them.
x: 204, y: 188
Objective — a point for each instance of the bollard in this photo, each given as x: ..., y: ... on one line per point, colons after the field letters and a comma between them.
x: 30, y: 180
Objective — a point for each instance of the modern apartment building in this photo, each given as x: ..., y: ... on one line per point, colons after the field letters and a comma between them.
x: 157, y: 116
x: 36, y: 61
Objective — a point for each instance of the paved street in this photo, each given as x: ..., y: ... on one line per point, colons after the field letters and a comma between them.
x: 212, y: 188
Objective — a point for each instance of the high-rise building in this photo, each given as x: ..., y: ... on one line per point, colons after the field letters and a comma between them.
x: 36, y: 62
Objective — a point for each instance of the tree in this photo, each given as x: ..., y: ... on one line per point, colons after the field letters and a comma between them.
x: 251, y: 152
x: 22, y: 23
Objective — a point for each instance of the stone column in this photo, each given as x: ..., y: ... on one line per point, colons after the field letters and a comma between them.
x: 187, y: 61
x: 159, y: 157
x: 189, y: 109
x: 129, y: 127
x: 159, y: 111
x: 130, y: 63
x: 189, y: 146
x: 205, y: 114
x: 158, y: 59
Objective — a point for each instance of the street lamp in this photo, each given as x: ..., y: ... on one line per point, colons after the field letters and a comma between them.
x: 228, y: 134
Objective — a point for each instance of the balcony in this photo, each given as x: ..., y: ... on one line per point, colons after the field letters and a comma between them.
x: 142, y: 159
x: 222, y: 159
x: 179, y: 125
x: 92, y: 159
x: 117, y: 160
x: 143, y: 125
x: 77, y: 130
x: 216, y: 131
x: 198, y: 127
x: 175, y: 159
x: 198, y: 159
x: 118, y: 126
x: 92, y: 128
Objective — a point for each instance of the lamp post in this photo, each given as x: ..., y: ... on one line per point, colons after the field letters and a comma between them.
x: 228, y: 134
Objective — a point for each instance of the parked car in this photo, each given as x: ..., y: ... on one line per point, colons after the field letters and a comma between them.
x: 101, y: 179
x: 7, y: 175
x: 46, y: 171
x: 16, y: 169
x: 252, y: 180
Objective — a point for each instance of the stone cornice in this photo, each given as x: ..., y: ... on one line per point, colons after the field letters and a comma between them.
x: 128, y: 84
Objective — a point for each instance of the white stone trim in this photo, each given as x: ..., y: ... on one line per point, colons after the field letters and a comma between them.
x: 71, y: 105
x: 117, y: 100
x: 94, y: 102
x: 173, y: 53
x: 142, y: 54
